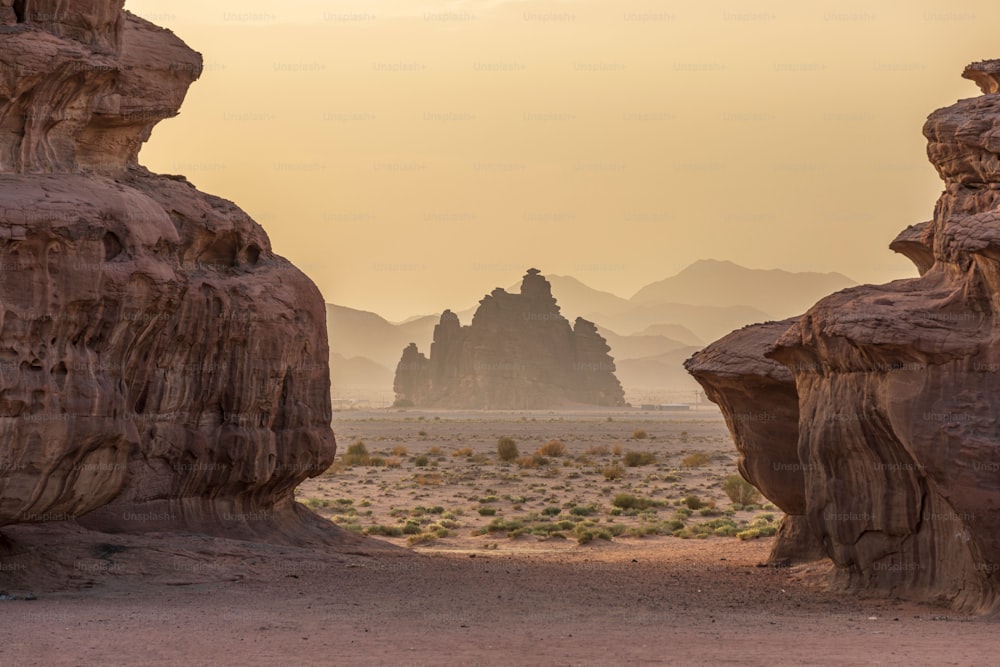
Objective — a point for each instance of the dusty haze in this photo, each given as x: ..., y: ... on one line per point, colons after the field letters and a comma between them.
x: 406, y: 154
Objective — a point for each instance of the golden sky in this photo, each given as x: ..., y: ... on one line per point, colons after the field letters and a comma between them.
x: 410, y: 155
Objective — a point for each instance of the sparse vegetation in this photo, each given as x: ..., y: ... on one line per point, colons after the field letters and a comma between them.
x: 740, y: 491
x: 613, y: 472
x: 535, y: 461
x: 637, y: 459
x: 760, y: 527
x: 507, y: 449
x: 696, y: 460
x: 357, y: 454
x: 600, y: 491
x: 554, y: 448
x: 627, y: 501
x: 694, y: 502
x: 640, y: 434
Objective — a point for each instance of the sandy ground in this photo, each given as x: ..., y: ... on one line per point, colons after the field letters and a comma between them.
x: 442, y: 481
x: 458, y: 600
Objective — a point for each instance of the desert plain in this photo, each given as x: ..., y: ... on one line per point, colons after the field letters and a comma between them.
x: 473, y: 565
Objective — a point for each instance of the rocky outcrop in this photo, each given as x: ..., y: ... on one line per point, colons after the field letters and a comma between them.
x: 897, y: 389
x: 518, y: 353
x: 162, y: 368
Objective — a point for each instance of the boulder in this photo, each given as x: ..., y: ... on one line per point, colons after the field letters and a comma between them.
x: 162, y: 368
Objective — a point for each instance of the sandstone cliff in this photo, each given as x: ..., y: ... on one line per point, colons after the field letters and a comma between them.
x: 162, y: 368
x: 880, y: 437
x: 518, y: 353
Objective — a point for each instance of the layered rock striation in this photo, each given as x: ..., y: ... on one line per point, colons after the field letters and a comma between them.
x: 160, y: 367
x: 879, y: 432
x: 518, y: 353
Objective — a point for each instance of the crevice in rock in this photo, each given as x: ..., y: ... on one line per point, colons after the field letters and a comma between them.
x: 20, y: 10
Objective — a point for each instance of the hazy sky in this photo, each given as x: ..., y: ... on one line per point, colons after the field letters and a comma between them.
x: 410, y: 155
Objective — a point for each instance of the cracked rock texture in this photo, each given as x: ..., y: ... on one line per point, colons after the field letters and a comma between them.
x: 518, y: 353
x: 872, y: 418
x: 160, y: 367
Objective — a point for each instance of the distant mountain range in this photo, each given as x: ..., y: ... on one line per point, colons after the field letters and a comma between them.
x: 710, y: 282
x: 650, y: 334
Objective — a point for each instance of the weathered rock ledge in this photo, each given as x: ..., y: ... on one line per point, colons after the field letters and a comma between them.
x: 877, y: 429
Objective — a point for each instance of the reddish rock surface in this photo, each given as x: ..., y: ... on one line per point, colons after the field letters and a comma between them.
x: 162, y: 368
x: 897, y: 392
x: 518, y: 353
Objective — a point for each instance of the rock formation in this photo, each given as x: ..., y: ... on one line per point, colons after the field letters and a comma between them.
x: 518, y: 353
x: 878, y: 408
x: 161, y: 367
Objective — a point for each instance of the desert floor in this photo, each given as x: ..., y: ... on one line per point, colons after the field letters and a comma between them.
x: 677, y: 596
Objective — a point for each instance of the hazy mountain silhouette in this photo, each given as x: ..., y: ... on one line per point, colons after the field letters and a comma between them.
x: 650, y: 334
x: 359, y: 333
x: 677, y: 332
x: 710, y: 282
x: 631, y: 347
x: 655, y: 374
x: 348, y: 376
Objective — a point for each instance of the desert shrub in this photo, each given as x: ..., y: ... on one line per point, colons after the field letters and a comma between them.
x: 507, y: 449
x: 740, y: 491
x: 627, y: 501
x: 551, y: 511
x: 552, y: 448
x: 421, y: 461
x: 422, y: 434
x: 528, y: 461
x: 616, y: 449
x: 640, y: 434
x: 636, y: 459
x: 402, y: 403
x: 399, y: 450
x: 583, y: 510
x: 435, y: 451
x: 385, y: 531
x: 613, y: 471
x: 696, y: 460
x: 377, y: 462
x: 694, y: 502
x: 501, y: 525
x: 588, y: 533
x: 644, y: 529
x: 598, y: 450
x: 464, y: 451
x: 412, y: 528
x: 357, y: 454
x: 487, y: 511
x: 759, y: 528
x: 428, y: 480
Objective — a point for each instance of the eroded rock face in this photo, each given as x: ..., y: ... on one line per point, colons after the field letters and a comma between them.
x: 518, y: 353
x: 161, y: 367
x: 898, y: 391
